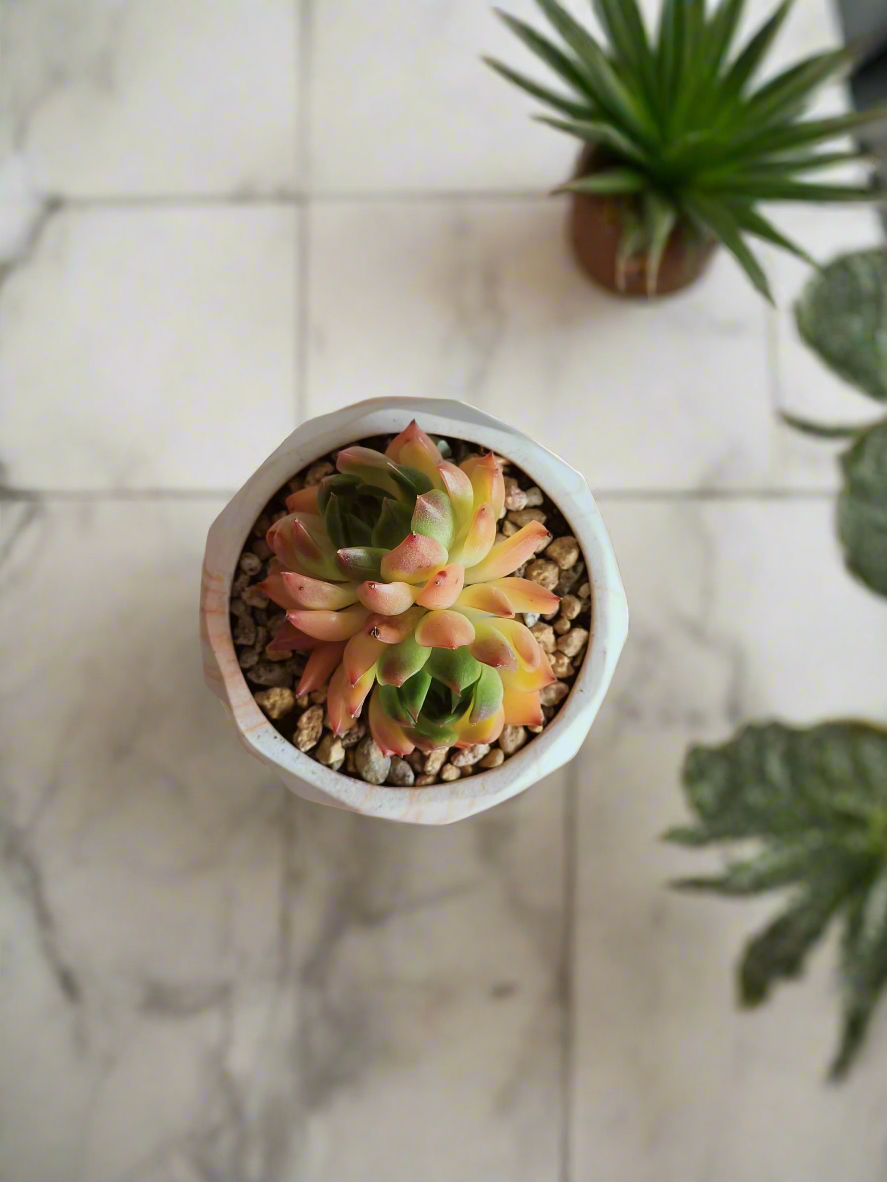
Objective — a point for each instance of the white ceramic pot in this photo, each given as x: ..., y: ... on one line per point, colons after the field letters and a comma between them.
x: 438, y: 804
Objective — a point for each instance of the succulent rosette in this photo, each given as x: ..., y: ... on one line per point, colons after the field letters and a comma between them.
x: 392, y: 577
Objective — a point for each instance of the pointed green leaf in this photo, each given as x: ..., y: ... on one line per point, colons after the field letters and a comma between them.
x: 755, y: 51
x: 719, y: 218
x: 393, y: 524
x: 598, y: 132
x: 755, y: 223
x: 488, y: 694
x: 863, y: 969
x: 559, y: 102
x: 399, y: 662
x: 611, y: 180
x: 820, y: 430
x: 456, y: 668
x: 413, y: 692
x: 661, y: 218
x: 862, y: 508
x: 553, y: 57
x: 786, y: 93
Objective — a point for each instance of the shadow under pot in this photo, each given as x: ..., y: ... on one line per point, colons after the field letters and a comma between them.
x: 596, y: 226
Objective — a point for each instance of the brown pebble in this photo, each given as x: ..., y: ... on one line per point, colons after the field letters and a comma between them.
x: 255, y: 597
x: 273, y: 655
x: 261, y: 549
x: 515, y: 497
x: 509, y: 529
x: 535, y: 730
x: 353, y: 735
x: 425, y: 780
x: 296, y: 484
x: 400, y: 774
x: 584, y: 591
x: 571, y: 606
x: 543, y: 572
x: 263, y: 524
x: 469, y: 755
x: 449, y: 773
x: 330, y: 751
x: 316, y: 473
x: 309, y: 728
x: 350, y: 765
x: 561, y: 666
x: 569, y: 578
x: 303, y: 701
x: 512, y: 739
x: 564, y: 551
x: 238, y: 587
x: 522, y: 517
x: 534, y: 496
x: 318, y: 696
x: 561, y: 626
x: 574, y: 641
x: 372, y: 765
x: 279, y: 515
x: 296, y: 664
x: 277, y: 701
x: 544, y: 634
x: 269, y: 673
x: 495, y: 758
x: 248, y: 658
x: 416, y: 760
x: 435, y: 760
x: 250, y: 563
x: 550, y: 695
x: 245, y: 630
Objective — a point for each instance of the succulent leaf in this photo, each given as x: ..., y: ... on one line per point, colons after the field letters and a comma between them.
x: 445, y: 629
x: 400, y: 661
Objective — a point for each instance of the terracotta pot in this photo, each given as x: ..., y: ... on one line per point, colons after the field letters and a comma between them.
x: 595, y: 229
x: 437, y: 804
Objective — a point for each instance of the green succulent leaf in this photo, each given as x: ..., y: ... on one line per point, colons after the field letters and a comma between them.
x: 411, y: 480
x: 456, y: 668
x: 842, y: 316
x: 815, y: 801
x: 434, y: 517
x: 611, y: 180
x: 413, y: 693
x: 399, y: 662
x: 393, y: 524
x: 862, y: 508
x: 487, y: 695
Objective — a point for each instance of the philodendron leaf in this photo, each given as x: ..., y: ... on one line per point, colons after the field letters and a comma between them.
x: 862, y: 508
x: 842, y: 315
x: 816, y: 803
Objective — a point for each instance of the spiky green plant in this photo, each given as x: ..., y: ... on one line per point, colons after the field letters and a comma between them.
x: 392, y: 576
x: 685, y: 133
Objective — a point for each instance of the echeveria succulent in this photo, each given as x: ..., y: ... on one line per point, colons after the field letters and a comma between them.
x: 392, y: 576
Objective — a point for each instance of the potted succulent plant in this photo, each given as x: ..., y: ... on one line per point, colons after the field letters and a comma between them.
x: 414, y: 622
x: 680, y: 144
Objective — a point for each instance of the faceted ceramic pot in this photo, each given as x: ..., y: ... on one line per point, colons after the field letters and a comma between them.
x: 437, y: 804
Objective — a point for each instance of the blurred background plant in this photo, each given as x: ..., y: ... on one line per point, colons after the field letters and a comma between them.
x: 815, y: 800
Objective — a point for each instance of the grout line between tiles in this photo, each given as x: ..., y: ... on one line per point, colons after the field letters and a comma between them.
x: 567, y: 969
x: 300, y: 198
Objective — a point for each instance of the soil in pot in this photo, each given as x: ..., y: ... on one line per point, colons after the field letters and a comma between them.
x: 273, y: 677
x: 596, y: 227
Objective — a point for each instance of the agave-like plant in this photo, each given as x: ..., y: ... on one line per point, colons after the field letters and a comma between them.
x: 391, y: 575
x: 683, y: 132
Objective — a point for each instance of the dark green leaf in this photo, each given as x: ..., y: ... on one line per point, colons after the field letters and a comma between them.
x: 792, y: 136
x: 456, y: 668
x: 862, y: 508
x: 660, y: 217
x: 611, y: 180
x: 720, y: 219
x: 761, y: 187
x: 597, y: 132
x: 411, y: 480
x: 749, y: 60
x: 863, y: 969
x: 413, y: 693
x: 787, y: 92
x: 553, y: 57
x: 776, y: 866
x: 842, y: 316
x: 755, y: 223
x: 559, y: 102
x: 335, y: 484
x: 393, y: 525
x: 820, y: 430
x: 335, y: 523
x: 722, y: 28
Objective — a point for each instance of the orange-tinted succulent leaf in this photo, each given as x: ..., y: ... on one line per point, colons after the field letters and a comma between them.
x: 478, y: 541
x: 371, y: 467
x: 288, y: 638
x: 388, y: 734
x: 329, y: 625
x: 443, y: 587
x: 325, y: 658
x: 491, y: 648
x: 303, y: 549
x: 434, y: 517
x: 355, y: 695
x: 444, y: 629
x: 526, y: 680
x: 457, y: 484
x: 508, y: 555
x: 415, y: 560
x: 304, y: 501
x: 522, y: 640
x: 340, y: 719
x: 301, y: 591
x: 522, y: 707
x: 526, y: 596
x: 486, y: 597
x: 361, y: 653
x: 388, y: 599
x: 393, y: 629
x: 415, y: 449
x: 487, y: 481
x: 485, y: 731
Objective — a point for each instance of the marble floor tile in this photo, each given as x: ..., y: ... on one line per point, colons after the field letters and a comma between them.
x: 149, y: 347
x: 739, y: 611
x: 482, y: 301
x: 152, y: 97
x: 204, y: 977
x: 400, y: 100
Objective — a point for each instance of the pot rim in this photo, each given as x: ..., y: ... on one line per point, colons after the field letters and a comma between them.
x: 444, y: 802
